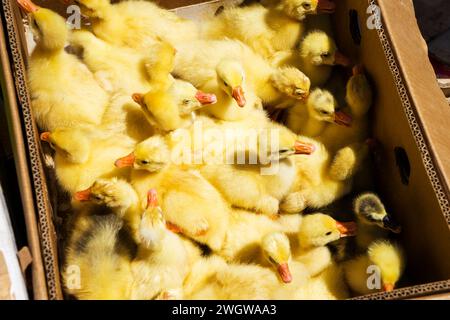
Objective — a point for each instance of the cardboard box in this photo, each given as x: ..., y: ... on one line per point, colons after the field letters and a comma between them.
x: 410, y: 118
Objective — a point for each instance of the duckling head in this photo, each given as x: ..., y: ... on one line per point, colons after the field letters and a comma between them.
x: 94, y: 8
x: 152, y: 155
x: 152, y: 228
x: 389, y: 258
x: 299, y: 9
x: 114, y: 193
x: 277, y: 250
x: 359, y: 95
x: 369, y: 209
x: 292, y: 82
x: 49, y: 28
x: 319, y: 49
x: 231, y: 78
x: 322, y: 106
x: 280, y: 143
x: 72, y: 143
x: 319, y: 229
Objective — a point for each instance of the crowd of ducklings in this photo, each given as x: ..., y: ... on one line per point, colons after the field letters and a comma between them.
x: 145, y: 227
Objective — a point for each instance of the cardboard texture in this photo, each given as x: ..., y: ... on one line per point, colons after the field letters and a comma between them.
x: 410, y: 119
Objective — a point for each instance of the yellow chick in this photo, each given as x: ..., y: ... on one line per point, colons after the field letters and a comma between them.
x: 173, y: 108
x: 82, y: 156
x: 373, y: 220
x: 191, y: 205
x: 316, y: 231
x: 303, y: 284
x: 55, y: 102
x: 272, y: 85
x: 244, y: 241
x: 262, y: 185
x: 378, y: 270
x: 97, y: 258
x: 301, y: 9
x: 313, y: 187
x: 317, y: 55
x: 121, y: 69
x: 266, y: 30
x: 359, y: 98
x: 224, y: 77
x: 136, y: 24
x: 119, y: 196
x: 312, y: 117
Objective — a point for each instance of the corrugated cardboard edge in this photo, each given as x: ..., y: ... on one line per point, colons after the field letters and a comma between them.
x: 51, y: 282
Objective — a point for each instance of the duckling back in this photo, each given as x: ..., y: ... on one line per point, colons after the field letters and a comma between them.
x: 98, y: 254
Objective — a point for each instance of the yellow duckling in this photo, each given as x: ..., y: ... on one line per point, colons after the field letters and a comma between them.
x: 119, y: 196
x: 373, y: 220
x: 359, y: 98
x: 97, y: 258
x: 121, y: 68
x: 266, y: 30
x: 162, y: 261
x: 316, y: 231
x: 272, y: 85
x: 327, y: 285
x: 261, y: 186
x: 225, y: 78
x: 378, y: 270
x: 173, y: 108
x: 54, y: 102
x: 317, y: 55
x: 247, y: 239
x: 314, y: 187
x: 136, y: 24
x: 191, y: 205
x: 301, y: 9
x: 312, y: 117
x: 82, y: 156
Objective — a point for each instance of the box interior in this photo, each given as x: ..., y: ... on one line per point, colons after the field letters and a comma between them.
x: 402, y: 178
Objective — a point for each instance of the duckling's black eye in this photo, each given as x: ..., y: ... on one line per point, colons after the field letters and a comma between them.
x: 325, y: 55
x: 97, y: 197
x: 186, y: 101
x: 306, y: 6
x: 272, y: 260
x: 145, y: 162
x: 328, y: 233
x: 226, y: 84
x: 324, y: 112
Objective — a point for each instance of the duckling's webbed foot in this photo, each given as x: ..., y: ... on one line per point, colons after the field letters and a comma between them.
x: 293, y: 203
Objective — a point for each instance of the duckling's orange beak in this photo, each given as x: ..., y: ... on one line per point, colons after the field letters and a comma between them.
x: 388, y: 287
x: 84, y: 195
x: 152, y: 199
x: 347, y: 229
x: 304, y: 148
x: 138, y: 98
x: 285, y: 273
x: 28, y: 6
x: 239, y: 96
x: 343, y: 119
x: 341, y: 59
x: 326, y: 6
x: 45, y: 136
x: 127, y: 161
x: 358, y: 69
x: 206, y: 98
